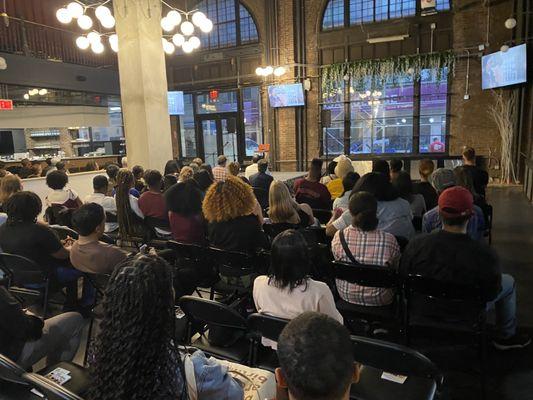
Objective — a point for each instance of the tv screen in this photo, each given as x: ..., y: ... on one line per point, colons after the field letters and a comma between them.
x: 504, y: 69
x: 291, y: 95
x: 175, y: 103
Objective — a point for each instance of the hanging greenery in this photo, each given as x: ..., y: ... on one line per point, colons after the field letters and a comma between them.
x: 359, y: 74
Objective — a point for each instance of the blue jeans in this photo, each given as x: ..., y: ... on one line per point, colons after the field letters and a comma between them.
x: 505, y: 307
x: 67, y: 275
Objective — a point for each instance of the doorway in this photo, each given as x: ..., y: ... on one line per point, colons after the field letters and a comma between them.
x: 218, y: 135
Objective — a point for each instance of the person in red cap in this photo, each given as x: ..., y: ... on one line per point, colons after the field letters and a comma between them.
x: 452, y: 256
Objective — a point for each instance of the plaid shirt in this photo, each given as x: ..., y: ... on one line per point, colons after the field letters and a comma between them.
x: 220, y: 173
x: 375, y: 248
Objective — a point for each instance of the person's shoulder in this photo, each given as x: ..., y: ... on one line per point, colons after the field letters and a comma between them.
x: 261, y: 280
x: 318, y: 286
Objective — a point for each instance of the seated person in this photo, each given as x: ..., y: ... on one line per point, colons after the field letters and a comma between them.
x: 480, y: 177
x: 203, y: 180
x: 316, y: 360
x: 362, y: 242
x: 61, y: 196
x: 26, y: 338
x: 9, y: 185
x: 186, y: 173
x: 262, y: 181
x: 252, y: 169
x: 381, y: 167
x: 36, y: 169
x: 396, y: 166
x: 403, y: 184
x: 88, y: 254
x: 220, y: 172
x: 129, y: 215
x: 310, y: 191
x: 139, y: 314
x: 138, y: 174
x: 335, y: 187
x: 348, y: 184
x: 112, y: 171
x: 441, y: 180
x: 285, y: 211
x: 451, y: 255
x: 425, y: 169
x: 101, y: 188
x: 152, y: 202
x: 330, y: 173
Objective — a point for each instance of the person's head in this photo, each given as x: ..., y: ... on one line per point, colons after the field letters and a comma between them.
x: 89, y: 220
x: 184, y: 199
x: 315, y: 169
x: 153, y: 180
x: 23, y: 207
x: 228, y: 200
x: 464, y: 179
x: 469, y: 155
x: 48, y: 161
x: 135, y: 353
x: 403, y: 184
x: 60, y: 166
x: 100, y: 184
x: 138, y: 172
x: 9, y: 185
x: 36, y: 169
x: 316, y: 360
x: 57, y: 180
x: 262, y: 166
x: 203, y: 179
x: 378, y: 185
x: 186, y: 174
x: 425, y: 168
x: 172, y: 168
x: 349, y: 181
x: 363, y: 208
x: 234, y: 168
x: 442, y: 179
x: 124, y: 162
x: 282, y: 206
x: 208, y: 168
x: 255, y: 158
x: 289, y: 260
x: 198, y: 161
x: 195, y: 167
x: 91, y: 166
x: 331, y: 167
x: 382, y: 167
x: 112, y: 171
x: 396, y: 165
x: 344, y: 165
x: 222, y: 160
x: 25, y: 162
x: 169, y: 181
x: 456, y: 206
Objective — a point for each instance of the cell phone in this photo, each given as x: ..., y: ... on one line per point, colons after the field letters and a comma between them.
x: 144, y: 249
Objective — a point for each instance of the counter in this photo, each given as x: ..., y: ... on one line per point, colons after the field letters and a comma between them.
x: 77, y: 164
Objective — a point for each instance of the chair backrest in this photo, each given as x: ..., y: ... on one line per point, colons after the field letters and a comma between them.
x: 318, y: 233
x: 187, y: 251
x: 365, y: 275
x: 448, y: 291
x: 154, y: 222
x: 394, y: 358
x: 50, y: 388
x: 322, y: 215
x: 232, y: 263
x: 21, y: 270
x: 212, y: 312
x: 110, y: 217
x: 64, y: 231
x: 266, y: 326
x: 59, y: 215
x: 11, y: 371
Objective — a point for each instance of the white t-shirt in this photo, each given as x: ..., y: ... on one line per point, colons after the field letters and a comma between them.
x: 108, y: 204
x: 283, y: 303
x: 60, y: 196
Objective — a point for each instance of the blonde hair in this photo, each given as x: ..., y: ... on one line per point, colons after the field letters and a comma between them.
x: 234, y: 168
x: 282, y: 207
x: 228, y: 200
x: 9, y: 185
x: 186, y: 174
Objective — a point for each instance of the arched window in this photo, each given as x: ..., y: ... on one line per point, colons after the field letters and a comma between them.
x: 233, y: 24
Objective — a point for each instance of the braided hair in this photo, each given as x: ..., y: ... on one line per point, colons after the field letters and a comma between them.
x: 125, y: 216
x: 135, y: 357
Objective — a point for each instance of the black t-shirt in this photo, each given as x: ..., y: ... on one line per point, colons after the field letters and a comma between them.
x: 430, y: 194
x: 454, y: 258
x: 239, y: 234
x: 31, y: 240
x: 480, y: 178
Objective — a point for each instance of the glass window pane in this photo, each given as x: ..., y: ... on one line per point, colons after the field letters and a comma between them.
x: 433, y: 102
x: 253, y: 132
x: 333, y: 135
x: 248, y: 28
x: 187, y: 128
x: 224, y: 102
x: 334, y: 15
x: 442, y: 5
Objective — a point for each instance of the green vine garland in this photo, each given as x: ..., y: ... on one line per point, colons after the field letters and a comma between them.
x: 381, y: 71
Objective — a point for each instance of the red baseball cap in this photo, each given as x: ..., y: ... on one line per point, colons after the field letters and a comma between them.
x: 456, y: 202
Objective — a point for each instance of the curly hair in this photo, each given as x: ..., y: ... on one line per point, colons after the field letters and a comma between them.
x: 135, y: 357
x: 228, y: 200
x: 186, y: 174
x: 125, y: 216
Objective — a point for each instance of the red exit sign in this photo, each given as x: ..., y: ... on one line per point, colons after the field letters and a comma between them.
x: 6, y: 104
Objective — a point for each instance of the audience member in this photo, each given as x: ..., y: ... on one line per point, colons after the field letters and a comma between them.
x: 425, y: 168
x: 234, y: 168
x: 344, y: 165
x: 61, y: 166
x: 172, y: 168
x: 382, y: 167
x: 289, y: 290
x: 152, y: 203
x: 480, y: 177
x: 36, y: 169
x: 403, y: 184
x: 91, y: 166
x: 9, y: 185
x: 49, y: 166
x: 363, y: 243
x: 124, y: 162
x: 396, y: 165
x: 88, y: 254
x: 348, y: 184
x: 112, y: 171
x: 330, y: 173
x: 60, y: 195
x: 252, y: 168
x: 195, y: 167
x: 186, y: 173
x: 310, y: 191
x: 129, y: 214
x: 138, y: 175
x: 198, y: 161
x: 209, y: 169
x: 203, y: 180
x: 394, y: 213
x: 262, y: 181
x: 316, y: 359
x: 169, y: 181
x: 451, y: 255
x: 184, y: 203
x: 136, y: 355
x: 25, y: 169
x: 284, y: 210
x: 220, y: 172
x: 101, y: 188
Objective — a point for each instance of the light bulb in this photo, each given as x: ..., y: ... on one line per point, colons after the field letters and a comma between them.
x: 404, y: 120
x: 268, y: 70
x: 168, y: 47
x: 510, y: 23
x: 108, y: 21
x: 280, y: 71
x: 368, y: 92
x: 195, y: 42
x: 174, y: 17
x: 187, y: 28
x: 75, y: 9
x: 97, y: 47
x: 83, y: 43
x: 42, y: 92
x: 167, y: 24
x: 197, y: 18
x: 101, y: 12
x: 178, y: 39
x: 187, y: 47
x: 504, y: 48
x: 26, y: 96
x: 63, y: 16
x: 93, y: 37
x: 113, y: 42
x: 206, y: 26
x: 259, y: 71
x: 85, y: 22
x: 431, y: 120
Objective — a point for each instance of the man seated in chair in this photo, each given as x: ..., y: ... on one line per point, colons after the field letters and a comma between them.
x: 361, y: 242
x: 316, y: 360
x: 451, y: 255
x: 261, y: 180
x: 101, y: 188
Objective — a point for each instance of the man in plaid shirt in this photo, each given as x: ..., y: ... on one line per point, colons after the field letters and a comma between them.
x: 220, y: 173
x: 366, y: 245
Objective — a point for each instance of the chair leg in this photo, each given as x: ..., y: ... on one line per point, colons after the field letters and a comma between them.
x: 483, y: 364
x: 88, y: 344
x: 45, y: 300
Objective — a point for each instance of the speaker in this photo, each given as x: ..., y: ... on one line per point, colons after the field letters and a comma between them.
x: 232, y: 125
x: 325, y: 117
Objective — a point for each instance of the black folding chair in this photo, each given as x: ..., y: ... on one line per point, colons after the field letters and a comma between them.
x: 64, y: 231
x: 206, y: 314
x: 322, y: 215
x: 78, y: 385
x: 58, y: 215
x: 374, y: 276
x: 262, y: 197
x: 488, y: 211
x: 265, y: 326
x: 449, y: 311
x: 11, y: 371
x: 378, y: 357
x: 50, y: 389
x: 234, y: 268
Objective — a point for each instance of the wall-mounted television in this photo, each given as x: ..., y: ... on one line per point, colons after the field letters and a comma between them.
x: 175, y: 103
x: 290, y: 95
x: 504, y: 68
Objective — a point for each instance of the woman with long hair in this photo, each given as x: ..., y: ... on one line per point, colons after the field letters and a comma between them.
x: 404, y: 185
x: 285, y: 210
x: 9, y: 185
x: 172, y: 168
x: 128, y: 211
x: 203, y: 180
x: 184, y: 204
x: 135, y: 355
